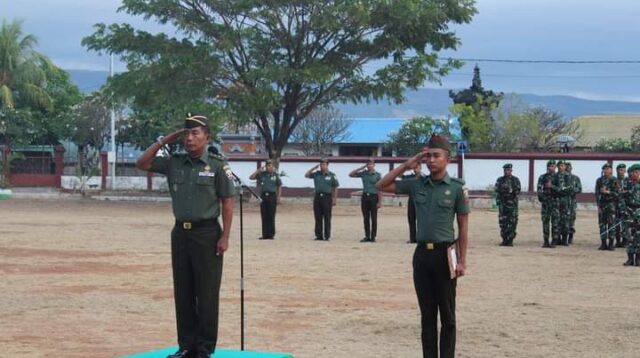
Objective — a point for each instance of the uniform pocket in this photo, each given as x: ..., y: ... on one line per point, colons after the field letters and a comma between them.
x: 446, y: 202
x: 206, y: 180
x: 176, y: 177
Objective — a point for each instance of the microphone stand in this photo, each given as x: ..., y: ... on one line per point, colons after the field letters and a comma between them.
x: 240, y: 185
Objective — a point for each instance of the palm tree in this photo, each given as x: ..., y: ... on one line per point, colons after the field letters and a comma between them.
x: 22, y: 70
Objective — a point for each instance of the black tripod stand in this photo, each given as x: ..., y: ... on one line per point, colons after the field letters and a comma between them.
x: 241, y: 186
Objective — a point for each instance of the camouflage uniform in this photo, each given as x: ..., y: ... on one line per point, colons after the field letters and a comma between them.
x: 547, y: 202
x: 622, y: 232
x: 562, y: 189
x: 507, y: 189
x: 607, y: 192
x: 632, y: 201
x: 577, y: 189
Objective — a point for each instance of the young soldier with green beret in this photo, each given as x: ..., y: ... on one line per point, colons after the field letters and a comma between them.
x: 562, y: 189
x: 547, y: 202
x: 270, y: 191
x: 325, y: 186
x: 576, y: 183
x: 621, y: 210
x: 507, y: 189
x: 369, y: 202
x: 201, y: 187
x: 632, y: 200
x: 439, y: 199
x: 607, y: 192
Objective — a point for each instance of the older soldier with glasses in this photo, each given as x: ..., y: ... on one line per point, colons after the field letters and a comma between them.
x: 201, y: 187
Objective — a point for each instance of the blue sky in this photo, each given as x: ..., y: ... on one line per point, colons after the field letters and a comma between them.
x: 503, y: 29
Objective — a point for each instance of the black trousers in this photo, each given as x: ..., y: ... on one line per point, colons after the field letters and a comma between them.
x: 411, y: 217
x: 268, y: 213
x: 322, y: 205
x: 436, y: 292
x: 197, y: 273
x: 369, y: 206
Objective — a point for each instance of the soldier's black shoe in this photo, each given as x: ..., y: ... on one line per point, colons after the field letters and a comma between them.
x: 373, y: 239
x: 503, y: 243
x: 202, y: 355
x: 327, y: 239
x: 611, y: 246
x: 546, y: 244
x: 630, y: 260
x: 637, y: 259
x: 509, y: 243
x: 410, y: 242
x: 565, y: 240
x: 619, y: 242
x: 182, y: 353
x: 269, y: 238
x: 570, y: 239
x: 318, y: 239
x: 365, y: 239
x: 603, y: 245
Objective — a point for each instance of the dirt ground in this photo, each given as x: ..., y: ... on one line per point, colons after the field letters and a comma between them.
x: 88, y: 278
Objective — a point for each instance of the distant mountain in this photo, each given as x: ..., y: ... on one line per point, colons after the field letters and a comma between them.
x: 425, y: 101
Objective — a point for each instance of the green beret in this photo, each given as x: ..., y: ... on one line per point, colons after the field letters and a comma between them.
x: 268, y: 161
x: 551, y: 162
x: 562, y: 161
x: 621, y: 165
x: 606, y: 165
x: 634, y: 167
x: 193, y: 120
x: 438, y: 141
x: 507, y: 166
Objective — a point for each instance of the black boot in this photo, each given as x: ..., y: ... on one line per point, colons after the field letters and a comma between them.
x: 603, y: 245
x: 611, y: 246
x: 630, y: 261
x: 619, y: 242
x: 637, y: 259
x: 510, y: 242
x: 564, y: 240
x: 546, y: 243
x: 570, y: 239
x: 504, y: 242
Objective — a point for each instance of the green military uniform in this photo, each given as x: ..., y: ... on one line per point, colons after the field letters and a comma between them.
x: 547, y: 202
x: 196, y: 186
x: 369, y: 203
x: 323, y: 184
x: 576, y: 183
x: 411, y: 211
x: 622, y: 232
x: 507, y: 189
x: 437, y: 204
x: 562, y: 190
x: 632, y: 201
x: 607, y: 192
x: 269, y: 185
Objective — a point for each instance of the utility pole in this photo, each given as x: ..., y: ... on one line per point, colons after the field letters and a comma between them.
x: 112, y: 153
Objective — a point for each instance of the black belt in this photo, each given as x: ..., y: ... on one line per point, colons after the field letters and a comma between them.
x: 190, y: 225
x: 322, y: 194
x: 369, y: 194
x: 434, y: 245
x: 268, y: 193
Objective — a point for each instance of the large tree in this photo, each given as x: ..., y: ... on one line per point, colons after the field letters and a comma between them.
x: 321, y: 128
x: 274, y: 62
x: 414, y: 134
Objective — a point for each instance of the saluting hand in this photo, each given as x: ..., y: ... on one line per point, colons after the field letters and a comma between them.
x: 173, y: 136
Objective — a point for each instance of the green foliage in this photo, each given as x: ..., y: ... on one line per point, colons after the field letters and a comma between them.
x: 274, y: 62
x: 414, y: 134
x: 5, y: 169
x: 476, y: 122
x: 635, y: 139
x: 617, y: 145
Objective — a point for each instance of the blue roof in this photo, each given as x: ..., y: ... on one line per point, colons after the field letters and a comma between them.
x: 372, y: 130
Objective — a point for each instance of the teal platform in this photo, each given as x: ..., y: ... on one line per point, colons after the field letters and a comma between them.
x: 220, y: 353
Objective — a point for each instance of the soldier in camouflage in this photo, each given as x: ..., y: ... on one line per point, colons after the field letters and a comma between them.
x: 622, y: 232
x: 632, y: 201
x: 547, y: 200
x: 577, y: 189
x: 562, y: 190
x: 507, y: 189
x: 607, y: 192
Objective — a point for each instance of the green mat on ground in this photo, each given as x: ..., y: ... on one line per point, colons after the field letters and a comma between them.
x: 220, y: 353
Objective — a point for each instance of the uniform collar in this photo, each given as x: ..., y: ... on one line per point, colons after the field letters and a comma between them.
x: 202, y: 157
x: 446, y: 179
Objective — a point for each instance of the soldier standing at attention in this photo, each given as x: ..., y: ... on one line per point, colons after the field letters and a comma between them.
x: 577, y: 189
x: 562, y: 189
x: 439, y: 199
x: 621, y: 210
x: 633, y: 209
x: 547, y: 201
x: 325, y: 186
x: 270, y: 192
x: 200, y: 183
x: 411, y: 206
x: 607, y: 192
x: 370, y: 201
x: 507, y: 189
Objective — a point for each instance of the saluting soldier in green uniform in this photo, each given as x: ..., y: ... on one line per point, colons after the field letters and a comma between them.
x: 439, y: 199
x: 607, y: 191
x: 325, y: 186
x: 270, y: 192
x: 621, y: 210
x: 200, y: 184
x: 577, y: 189
x: 633, y: 210
x: 507, y: 189
x: 369, y: 202
x: 547, y: 201
x: 562, y: 189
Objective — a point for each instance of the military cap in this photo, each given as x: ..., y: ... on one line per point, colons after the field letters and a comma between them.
x: 370, y: 160
x: 324, y: 160
x: 562, y: 161
x: 438, y: 141
x: 268, y: 161
x: 621, y: 165
x: 193, y: 120
x: 606, y: 165
x: 507, y: 166
x: 551, y: 162
x: 634, y: 167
